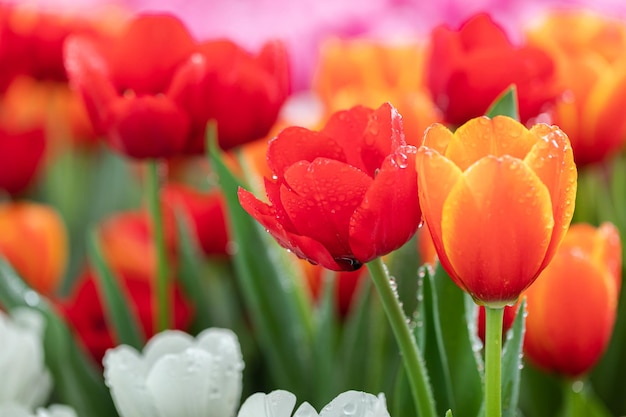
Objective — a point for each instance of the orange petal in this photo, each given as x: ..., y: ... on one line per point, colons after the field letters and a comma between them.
x: 437, y: 137
x: 496, y: 228
x: 436, y: 176
x: 482, y: 136
x: 552, y: 160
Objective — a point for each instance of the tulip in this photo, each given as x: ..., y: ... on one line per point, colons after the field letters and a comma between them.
x: 588, y: 51
x: 21, y: 155
x: 177, y: 375
x: 497, y: 199
x: 32, y: 231
x: 152, y: 101
x: 368, y: 73
x: 573, y: 304
x: 465, y: 71
x: 343, y: 196
x: 280, y: 404
x: 25, y: 379
x: 205, y: 211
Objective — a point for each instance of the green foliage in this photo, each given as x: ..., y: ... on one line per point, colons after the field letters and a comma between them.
x: 505, y: 104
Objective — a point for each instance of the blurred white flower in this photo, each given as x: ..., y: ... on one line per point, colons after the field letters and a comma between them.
x: 25, y: 380
x: 177, y: 375
x: 348, y: 404
x: 55, y: 410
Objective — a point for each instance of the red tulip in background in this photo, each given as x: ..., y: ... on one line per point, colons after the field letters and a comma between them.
x: 205, y: 211
x: 345, y: 285
x: 342, y: 196
x: 21, y: 155
x: 152, y: 89
x: 126, y: 242
x: 573, y: 304
x: 467, y: 69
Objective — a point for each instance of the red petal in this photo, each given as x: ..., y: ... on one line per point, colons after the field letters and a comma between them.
x: 147, y: 127
x: 303, y: 246
x: 296, y: 144
x: 390, y: 212
x: 320, y: 198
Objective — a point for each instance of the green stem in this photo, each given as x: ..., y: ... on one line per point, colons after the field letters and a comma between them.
x: 162, y: 298
x: 412, y: 358
x: 493, y: 361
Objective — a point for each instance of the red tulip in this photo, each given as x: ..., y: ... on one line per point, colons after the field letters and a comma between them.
x: 206, y: 213
x: 342, y: 196
x: 152, y: 89
x: 573, y: 304
x: 468, y: 68
x: 21, y: 155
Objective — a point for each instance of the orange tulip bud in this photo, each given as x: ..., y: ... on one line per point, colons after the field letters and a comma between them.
x: 497, y: 199
x: 34, y: 240
x: 572, y: 305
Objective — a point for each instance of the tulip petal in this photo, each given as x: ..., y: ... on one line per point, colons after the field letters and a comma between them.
x: 147, y: 127
x: 188, y: 384
x: 296, y: 144
x: 277, y: 403
x: 347, y: 128
x: 500, y: 203
x: 482, y: 136
x: 389, y: 214
x: 320, y: 198
x: 357, y: 404
x: 124, y: 374
x: 437, y: 137
x: 436, y: 176
x: 167, y: 341
x: 304, y: 247
x: 552, y: 160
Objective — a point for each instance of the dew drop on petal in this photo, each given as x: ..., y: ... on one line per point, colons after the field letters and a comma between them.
x: 400, y: 160
x: 349, y: 409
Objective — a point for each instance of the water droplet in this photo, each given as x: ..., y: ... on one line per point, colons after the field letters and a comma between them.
x: 215, y: 392
x: 400, y: 160
x: 31, y: 298
x: 349, y: 409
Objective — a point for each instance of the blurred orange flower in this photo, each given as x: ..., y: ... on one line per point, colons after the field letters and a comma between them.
x: 369, y: 73
x: 34, y: 240
x: 573, y: 304
x: 497, y: 199
x: 589, y: 53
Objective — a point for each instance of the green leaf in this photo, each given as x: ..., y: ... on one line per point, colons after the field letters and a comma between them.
x: 512, y: 364
x: 454, y: 320
x: 77, y: 382
x: 115, y: 304
x: 581, y: 401
x: 271, y: 286
x: 540, y: 393
x: 505, y: 104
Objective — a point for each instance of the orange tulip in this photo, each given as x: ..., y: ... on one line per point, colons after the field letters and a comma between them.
x: 573, y: 304
x: 369, y: 73
x: 588, y: 50
x: 34, y: 241
x: 497, y: 199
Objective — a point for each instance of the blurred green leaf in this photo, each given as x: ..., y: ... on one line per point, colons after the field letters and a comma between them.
x: 580, y: 401
x: 403, y: 264
x: 512, y: 363
x: 268, y: 279
x: 540, y: 393
x: 115, y: 304
x: 505, y: 105
x: 454, y: 321
x: 77, y: 382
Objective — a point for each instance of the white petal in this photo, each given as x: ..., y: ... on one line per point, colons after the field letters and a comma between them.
x: 14, y: 410
x: 355, y: 404
x: 168, y: 341
x: 125, y: 375
x: 56, y: 410
x: 275, y: 404
x: 306, y: 410
x: 186, y: 385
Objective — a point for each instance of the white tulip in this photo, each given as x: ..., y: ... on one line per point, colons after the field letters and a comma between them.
x: 177, y: 375
x: 55, y: 410
x: 25, y: 380
x: 348, y: 404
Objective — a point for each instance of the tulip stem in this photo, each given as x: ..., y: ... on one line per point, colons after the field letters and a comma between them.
x: 493, y: 361
x: 161, y: 285
x: 411, y: 355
